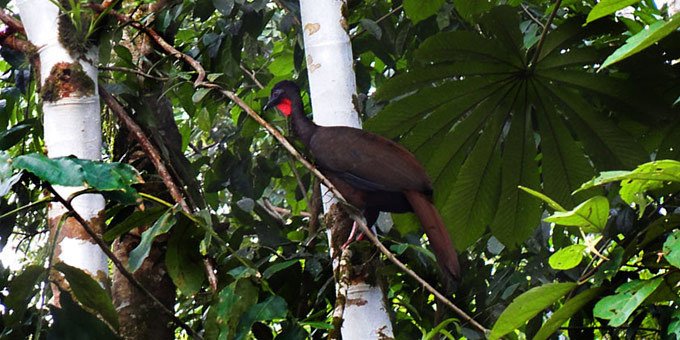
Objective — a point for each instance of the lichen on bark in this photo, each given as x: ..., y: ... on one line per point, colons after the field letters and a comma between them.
x: 67, y: 80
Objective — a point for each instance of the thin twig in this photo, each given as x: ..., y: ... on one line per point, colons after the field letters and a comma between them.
x: 158, y: 40
x: 252, y: 76
x: 390, y: 13
x: 132, y: 70
x: 541, y: 41
x: 533, y: 18
x: 146, y: 145
x: 116, y: 262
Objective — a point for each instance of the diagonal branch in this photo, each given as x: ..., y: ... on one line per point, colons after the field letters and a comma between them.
x: 146, y: 145
x: 116, y: 262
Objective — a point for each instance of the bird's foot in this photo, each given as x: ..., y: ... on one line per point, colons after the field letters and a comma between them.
x: 350, y: 239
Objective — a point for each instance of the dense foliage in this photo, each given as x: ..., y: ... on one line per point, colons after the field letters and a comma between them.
x: 489, y: 97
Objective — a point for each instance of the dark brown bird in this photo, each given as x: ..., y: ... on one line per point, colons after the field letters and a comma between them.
x: 373, y: 173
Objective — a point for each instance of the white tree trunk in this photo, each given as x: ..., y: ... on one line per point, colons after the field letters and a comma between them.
x: 72, y: 127
x: 333, y: 89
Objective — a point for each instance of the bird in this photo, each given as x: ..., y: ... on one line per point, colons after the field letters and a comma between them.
x: 371, y: 172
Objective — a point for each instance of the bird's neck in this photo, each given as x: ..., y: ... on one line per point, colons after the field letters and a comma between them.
x: 302, y: 126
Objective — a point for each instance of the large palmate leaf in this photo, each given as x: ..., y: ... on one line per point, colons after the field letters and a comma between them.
x: 484, y: 120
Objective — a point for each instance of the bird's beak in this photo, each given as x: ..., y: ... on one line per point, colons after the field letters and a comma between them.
x: 271, y: 103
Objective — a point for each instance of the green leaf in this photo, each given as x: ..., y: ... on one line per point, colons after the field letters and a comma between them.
x: 671, y: 249
x: 643, y: 39
x: 567, y: 258
x: 89, y: 293
x: 517, y: 214
x: 475, y: 193
x: 591, y: 215
x: 70, y: 321
x: 634, y: 184
x: 7, y: 176
x: 470, y: 10
x: 277, y: 267
x: 73, y: 172
x: 224, y: 314
x: 274, y: 307
x: 418, y: 10
x: 560, y: 316
x: 21, y: 290
x: 556, y: 206
x: 161, y: 226
x: 438, y: 330
x: 607, y: 7
x: 139, y: 218
x: 200, y: 94
x: 13, y: 135
x: 617, y: 308
x: 183, y: 259
x: 371, y: 27
x: 674, y: 326
x: 224, y: 6
x: 527, y: 305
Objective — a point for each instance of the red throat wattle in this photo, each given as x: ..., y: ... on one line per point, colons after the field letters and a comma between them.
x: 285, y: 107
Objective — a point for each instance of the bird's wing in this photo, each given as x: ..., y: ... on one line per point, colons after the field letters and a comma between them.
x: 367, y: 161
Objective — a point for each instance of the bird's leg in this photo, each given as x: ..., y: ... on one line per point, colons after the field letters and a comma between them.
x: 351, y: 236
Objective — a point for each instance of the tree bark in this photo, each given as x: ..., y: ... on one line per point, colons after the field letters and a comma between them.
x: 328, y: 51
x: 71, y: 118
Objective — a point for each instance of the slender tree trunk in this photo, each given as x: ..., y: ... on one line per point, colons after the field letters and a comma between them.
x: 361, y: 305
x: 71, y: 117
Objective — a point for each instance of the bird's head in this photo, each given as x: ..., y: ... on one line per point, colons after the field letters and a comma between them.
x: 282, y: 95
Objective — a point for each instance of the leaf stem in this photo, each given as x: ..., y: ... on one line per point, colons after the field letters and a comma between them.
x: 541, y: 41
x: 26, y: 207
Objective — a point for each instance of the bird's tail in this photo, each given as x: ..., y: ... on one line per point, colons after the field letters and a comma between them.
x: 436, y: 232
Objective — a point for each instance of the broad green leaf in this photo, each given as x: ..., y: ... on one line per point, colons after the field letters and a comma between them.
x: 161, y: 226
x: 634, y: 184
x: 277, y: 267
x: 643, y: 39
x: 474, y: 195
x: 556, y: 206
x: 89, y: 293
x: 7, y: 176
x: 183, y: 259
x: 371, y: 27
x: 13, y: 135
x: 560, y: 316
x: 273, y: 308
x: 74, y: 172
x: 224, y: 314
x: 21, y: 290
x: 607, y: 7
x: 674, y: 326
x: 591, y: 215
x: 567, y: 258
x: 418, y: 10
x: 470, y: 10
x: 200, y: 94
x: 564, y: 165
x: 70, y: 321
x: 139, y: 218
x: 527, y: 305
x: 517, y: 214
x: 617, y: 308
x: 671, y: 249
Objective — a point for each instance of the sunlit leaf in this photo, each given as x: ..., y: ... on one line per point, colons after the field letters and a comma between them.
x: 560, y: 316
x: 161, y: 226
x: 590, y: 215
x: 643, y: 39
x: 671, y: 249
x: 527, y: 305
x: 617, y: 308
x: 567, y: 258
x: 607, y: 7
